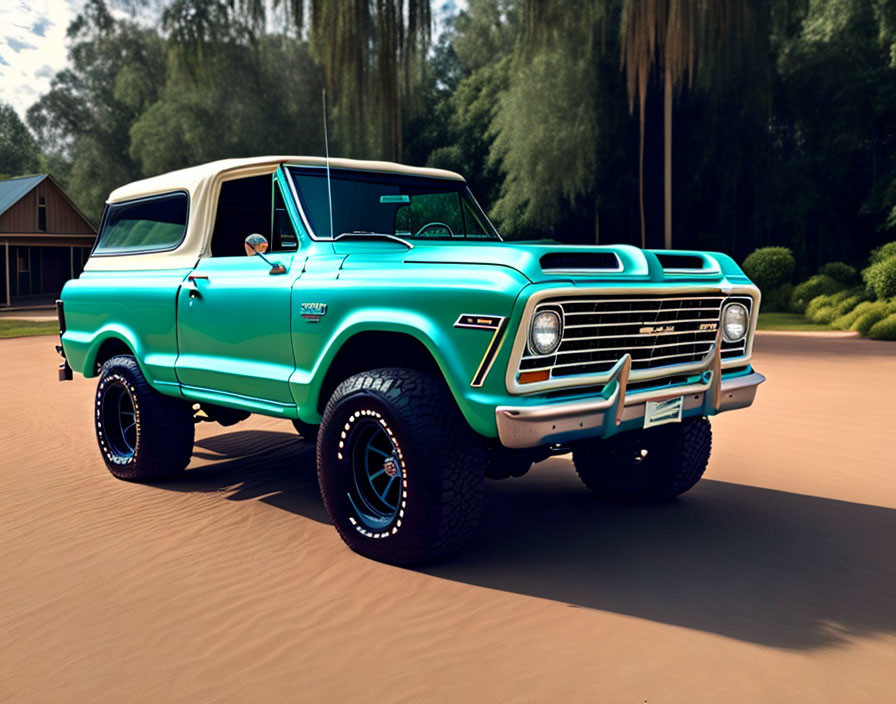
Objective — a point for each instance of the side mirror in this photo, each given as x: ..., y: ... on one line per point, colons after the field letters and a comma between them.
x: 257, y: 245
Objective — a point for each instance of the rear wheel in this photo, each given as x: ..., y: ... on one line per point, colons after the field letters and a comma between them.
x: 400, y: 471
x: 646, y: 466
x: 142, y: 434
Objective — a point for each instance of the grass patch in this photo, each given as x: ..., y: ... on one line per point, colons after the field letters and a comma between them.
x: 24, y: 328
x: 789, y: 321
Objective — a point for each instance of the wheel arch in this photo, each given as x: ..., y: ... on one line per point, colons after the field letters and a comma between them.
x: 372, y: 349
x: 109, y: 343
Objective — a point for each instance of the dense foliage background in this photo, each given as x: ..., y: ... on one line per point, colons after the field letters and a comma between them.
x: 781, y: 113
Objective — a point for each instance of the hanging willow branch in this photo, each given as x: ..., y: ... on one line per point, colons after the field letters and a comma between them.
x: 678, y: 37
x: 373, y: 54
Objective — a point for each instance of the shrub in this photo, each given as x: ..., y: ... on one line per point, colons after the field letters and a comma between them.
x: 778, y: 299
x: 844, y: 273
x: 769, y: 267
x: 822, y: 314
x: 823, y: 302
x: 826, y: 308
x: 843, y: 307
x: 845, y: 321
x: 885, y: 251
x: 877, y: 311
x: 884, y: 329
x: 817, y: 285
x: 880, y: 277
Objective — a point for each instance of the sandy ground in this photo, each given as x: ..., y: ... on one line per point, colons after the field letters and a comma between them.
x: 773, y: 580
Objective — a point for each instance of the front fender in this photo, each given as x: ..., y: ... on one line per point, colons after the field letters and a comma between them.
x: 425, y: 309
x: 453, y: 360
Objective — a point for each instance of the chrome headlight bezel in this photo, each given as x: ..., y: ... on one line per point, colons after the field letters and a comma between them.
x: 545, y: 314
x: 733, y: 306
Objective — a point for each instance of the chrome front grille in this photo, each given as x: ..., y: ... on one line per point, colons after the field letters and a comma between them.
x: 657, y: 331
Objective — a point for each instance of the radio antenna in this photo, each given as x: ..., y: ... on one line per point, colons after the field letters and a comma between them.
x: 327, y: 150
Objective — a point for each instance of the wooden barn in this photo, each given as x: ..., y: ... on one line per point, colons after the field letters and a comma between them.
x: 44, y: 240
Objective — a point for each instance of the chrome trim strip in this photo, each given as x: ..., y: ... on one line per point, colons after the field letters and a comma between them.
x: 491, y: 352
x: 576, y: 293
x: 578, y: 299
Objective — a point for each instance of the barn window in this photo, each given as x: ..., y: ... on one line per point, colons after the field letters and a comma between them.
x: 41, y: 214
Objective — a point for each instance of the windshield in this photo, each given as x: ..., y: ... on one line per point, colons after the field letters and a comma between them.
x: 391, y: 204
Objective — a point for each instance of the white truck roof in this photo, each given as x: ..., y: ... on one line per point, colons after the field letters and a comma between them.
x: 203, y: 182
x: 193, y: 178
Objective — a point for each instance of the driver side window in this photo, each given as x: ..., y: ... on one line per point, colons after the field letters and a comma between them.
x: 247, y: 206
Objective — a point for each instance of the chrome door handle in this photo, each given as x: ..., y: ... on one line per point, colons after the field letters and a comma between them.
x: 194, y: 292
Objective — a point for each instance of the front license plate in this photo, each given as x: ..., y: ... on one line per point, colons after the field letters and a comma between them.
x: 666, y: 411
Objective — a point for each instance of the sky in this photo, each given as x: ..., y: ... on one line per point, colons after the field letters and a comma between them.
x: 33, y: 45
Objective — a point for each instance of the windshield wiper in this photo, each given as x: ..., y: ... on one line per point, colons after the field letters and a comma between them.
x: 374, y: 235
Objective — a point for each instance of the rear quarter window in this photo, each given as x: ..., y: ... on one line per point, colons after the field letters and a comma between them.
x: 147, y: 225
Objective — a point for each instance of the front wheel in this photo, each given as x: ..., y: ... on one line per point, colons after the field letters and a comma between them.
x: 400, y: 471
x: 646, y: 466
x: 143, y: 435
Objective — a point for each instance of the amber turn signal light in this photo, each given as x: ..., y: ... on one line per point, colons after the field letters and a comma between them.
x: 532, y: 377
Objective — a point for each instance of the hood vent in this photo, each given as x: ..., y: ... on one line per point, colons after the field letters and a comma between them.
x: 580, y: 262
x: 682, y: 262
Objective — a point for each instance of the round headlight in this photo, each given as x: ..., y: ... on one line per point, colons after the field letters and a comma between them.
x: 544, y: 333
x: 735, y: 322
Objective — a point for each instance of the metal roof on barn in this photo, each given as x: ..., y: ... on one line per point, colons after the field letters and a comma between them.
x: 14, y: 189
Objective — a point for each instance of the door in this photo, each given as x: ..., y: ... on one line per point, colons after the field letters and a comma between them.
x: 233, y: 315
x: 233, y: 328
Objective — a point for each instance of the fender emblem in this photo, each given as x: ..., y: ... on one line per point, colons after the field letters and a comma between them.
x: 312, y: 312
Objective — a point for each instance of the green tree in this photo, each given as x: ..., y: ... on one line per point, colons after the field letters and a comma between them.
x: 675, y: 37
x: 116, y: 71
x: 230, y: 90
x: 373, y: 55
x: 545, y: 139
x: 19, y: 153
x: 835, y: 150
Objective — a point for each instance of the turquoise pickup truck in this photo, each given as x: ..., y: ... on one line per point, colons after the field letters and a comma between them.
x: 375, y: 306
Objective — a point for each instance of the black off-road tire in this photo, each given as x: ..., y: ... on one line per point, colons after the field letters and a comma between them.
x: 438, y: 460
x: 675, y: 459
x: 306, y: 430
x: 159, y: 444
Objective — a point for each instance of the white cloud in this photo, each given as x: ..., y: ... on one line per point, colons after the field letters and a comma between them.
x: 39, y: 28
x: 33, y: 47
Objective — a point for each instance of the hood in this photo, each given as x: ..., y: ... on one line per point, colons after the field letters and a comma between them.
x: 550, y: 262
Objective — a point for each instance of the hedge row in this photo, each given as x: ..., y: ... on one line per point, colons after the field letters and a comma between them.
x: 834, y: 296
x: 850, y: 310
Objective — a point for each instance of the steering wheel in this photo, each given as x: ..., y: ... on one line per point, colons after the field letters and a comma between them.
x: 431, y: 225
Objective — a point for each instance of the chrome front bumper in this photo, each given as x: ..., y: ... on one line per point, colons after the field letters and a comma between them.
x: 531, y: 426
